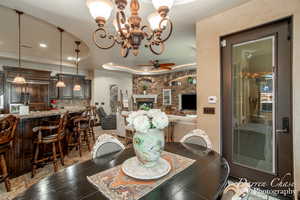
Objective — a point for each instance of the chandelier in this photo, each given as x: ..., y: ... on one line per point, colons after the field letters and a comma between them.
x: 130, y: 32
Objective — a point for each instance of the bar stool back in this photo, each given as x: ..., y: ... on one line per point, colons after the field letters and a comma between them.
x: 8, y: 128
x: 50, y: 135
x: 82, y: 131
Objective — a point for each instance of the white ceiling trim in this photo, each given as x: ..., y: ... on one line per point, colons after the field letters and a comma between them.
x: 128, y: 69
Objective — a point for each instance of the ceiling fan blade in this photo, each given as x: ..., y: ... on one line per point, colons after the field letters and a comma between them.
x: 145, y: 65
x: 165, y: 67
x: 167, y: 64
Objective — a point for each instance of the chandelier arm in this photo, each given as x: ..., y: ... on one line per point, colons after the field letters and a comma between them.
x: 103, y: 35
x: 124, y: 51
x: 121, y: 19
x: 119, y: 40
x: 162, y: 29
x: 161, y: 45
x: 149, y: 35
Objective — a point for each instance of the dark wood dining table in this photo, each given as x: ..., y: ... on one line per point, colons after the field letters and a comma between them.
x: 205, y: 179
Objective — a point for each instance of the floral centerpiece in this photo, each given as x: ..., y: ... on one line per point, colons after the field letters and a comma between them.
x: 149, y: 140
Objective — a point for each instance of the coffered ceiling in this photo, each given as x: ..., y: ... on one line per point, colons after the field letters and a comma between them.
x: 73, y: 16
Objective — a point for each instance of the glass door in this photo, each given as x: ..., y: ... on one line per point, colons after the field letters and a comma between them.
x: 256, y: 104
x: 253, y: 107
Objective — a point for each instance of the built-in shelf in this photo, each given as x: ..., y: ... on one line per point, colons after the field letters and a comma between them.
x: 144, y: 96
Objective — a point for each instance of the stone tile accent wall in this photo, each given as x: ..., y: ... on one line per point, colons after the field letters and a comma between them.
x: 156, y: 84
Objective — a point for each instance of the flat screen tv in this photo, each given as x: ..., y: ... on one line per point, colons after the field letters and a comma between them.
x: 188, y: 102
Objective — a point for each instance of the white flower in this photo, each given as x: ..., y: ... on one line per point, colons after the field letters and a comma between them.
x: 153, y: 112
x: 133, y: 115
x: 160, y: 120
x: 141, y: 123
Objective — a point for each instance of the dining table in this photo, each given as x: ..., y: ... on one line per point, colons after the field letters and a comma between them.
x: 205, y: 179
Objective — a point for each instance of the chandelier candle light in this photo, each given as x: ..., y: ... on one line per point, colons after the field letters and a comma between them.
x: 129, y: 32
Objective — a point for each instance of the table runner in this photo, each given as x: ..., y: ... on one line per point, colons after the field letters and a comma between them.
x: 115, y: 185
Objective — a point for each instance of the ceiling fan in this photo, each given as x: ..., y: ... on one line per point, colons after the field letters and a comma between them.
x: 157, y: 65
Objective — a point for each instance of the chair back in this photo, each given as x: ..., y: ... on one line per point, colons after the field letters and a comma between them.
x: 81, y: 123
x: 8, y: 126
x: 106, y: 144
x: 93, y: 112
x: 62, y: 125
x: 198, y: 137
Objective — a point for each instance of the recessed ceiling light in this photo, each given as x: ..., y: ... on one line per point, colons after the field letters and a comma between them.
x: 43, y: 45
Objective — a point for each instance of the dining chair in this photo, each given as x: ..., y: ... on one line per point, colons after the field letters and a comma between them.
x: 106, y: 144
x: 236, y: 191
x: 198, y: 137
x: 8, y: 126
x: 49, y: 135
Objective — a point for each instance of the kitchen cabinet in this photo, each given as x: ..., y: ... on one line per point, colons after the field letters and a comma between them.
x: 67, y: 93
x: 35, y: 92
x: 17, y: 93
x: 53, y: 90
x: 1, y: 83
x: 37, y: 96
x: 88, y: 89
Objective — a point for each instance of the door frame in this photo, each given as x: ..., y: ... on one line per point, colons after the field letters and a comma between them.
x: 223, y: 104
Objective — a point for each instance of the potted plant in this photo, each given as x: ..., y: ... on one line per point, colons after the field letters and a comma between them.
x: 149, y: 139
x: 145, y: 87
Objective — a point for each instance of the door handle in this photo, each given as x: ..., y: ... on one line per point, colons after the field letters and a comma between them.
x: 282, y: 131
x: 285, y: 126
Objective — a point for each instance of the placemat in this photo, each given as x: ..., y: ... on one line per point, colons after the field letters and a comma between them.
x: 115, y: 185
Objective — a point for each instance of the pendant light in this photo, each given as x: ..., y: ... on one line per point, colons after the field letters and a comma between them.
x: 77, y: 86
x: 60, y: 83
x: 19, y: 79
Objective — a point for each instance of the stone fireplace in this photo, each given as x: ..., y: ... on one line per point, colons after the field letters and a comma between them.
x: 149, y: 100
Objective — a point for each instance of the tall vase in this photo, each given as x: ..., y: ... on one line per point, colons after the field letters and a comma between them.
x: 148, y: 146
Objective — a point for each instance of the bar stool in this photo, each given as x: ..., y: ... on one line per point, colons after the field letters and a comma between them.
x: 93, y: 121
x: 81, y: 133
x: 49, y: 135
x: 8, y: 127
x: 90, y: 115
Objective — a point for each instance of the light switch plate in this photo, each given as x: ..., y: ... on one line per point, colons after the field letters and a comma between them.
x: 212, y: 99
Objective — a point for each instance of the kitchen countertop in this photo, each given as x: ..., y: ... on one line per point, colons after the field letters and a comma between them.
x: 39, y: 114
x: 174, y: 118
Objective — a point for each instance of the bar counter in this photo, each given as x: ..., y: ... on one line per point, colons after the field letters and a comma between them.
x: 20, y: 155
